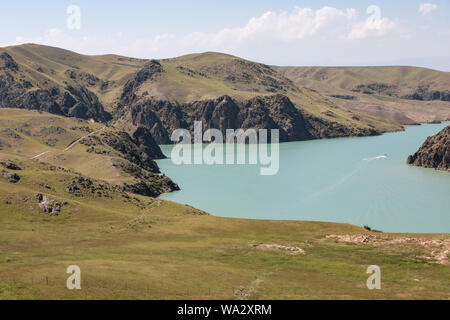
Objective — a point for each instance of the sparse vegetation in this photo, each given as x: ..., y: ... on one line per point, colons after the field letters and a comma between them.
x: 93, y: 204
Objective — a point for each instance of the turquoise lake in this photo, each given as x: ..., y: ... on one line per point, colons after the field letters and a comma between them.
x: 336, y: 180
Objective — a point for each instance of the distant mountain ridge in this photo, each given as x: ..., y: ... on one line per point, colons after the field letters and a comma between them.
x: 221, y: 90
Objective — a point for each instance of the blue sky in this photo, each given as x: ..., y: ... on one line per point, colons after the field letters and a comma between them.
x: 285, y: 32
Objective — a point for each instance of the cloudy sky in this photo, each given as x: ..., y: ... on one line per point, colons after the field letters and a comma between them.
x: 283, y: 32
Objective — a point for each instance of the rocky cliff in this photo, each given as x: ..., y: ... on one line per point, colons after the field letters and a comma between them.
x: 18, y: 90
x: 161, y: 116
x: 434, y: 153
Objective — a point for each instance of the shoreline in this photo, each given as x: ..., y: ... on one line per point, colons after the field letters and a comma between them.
x: 306, y: 220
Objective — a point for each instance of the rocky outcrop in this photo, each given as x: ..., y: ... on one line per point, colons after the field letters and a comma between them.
x: 81, y: 103
x: 83, y: 186
x: 275, y: 112
x: 74, y: 100
x: 82, y: 77
x: 147, y: 184
x: 138, y: 108
x: 37, y: 99
x: 48, y: 206
x: 10, y: 165
x: 152, y: 186
x: 11, y: 177
x: 427, y: 94
x: 150, y: 70
x: 323, y: 129
x: 434, y: 153
x: 422, y: 92
x: 343, y: 96
x: 373, y: 88
x: 161, y: 118
x: 139, y: 152
x: 147, y: 145
x: 221, y: 113
x: 7, y: 62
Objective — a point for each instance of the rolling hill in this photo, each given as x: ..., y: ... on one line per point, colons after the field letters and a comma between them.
x: 397, y: 94
x: 90, y: 149
x: 130, y: 246
x: 78, y: 139
x: 223, y: 91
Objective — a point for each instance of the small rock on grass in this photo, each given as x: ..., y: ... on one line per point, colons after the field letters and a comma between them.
x: 11, y: 165
x: 11, y: 177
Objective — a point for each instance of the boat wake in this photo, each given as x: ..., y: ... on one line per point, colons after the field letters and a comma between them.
x: 384, y: 156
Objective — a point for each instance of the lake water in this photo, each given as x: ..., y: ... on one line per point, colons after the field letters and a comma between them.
x: 336, y: 180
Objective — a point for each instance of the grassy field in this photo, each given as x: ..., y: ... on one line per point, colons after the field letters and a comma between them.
x: 146, y: 248
x: 136, y: 247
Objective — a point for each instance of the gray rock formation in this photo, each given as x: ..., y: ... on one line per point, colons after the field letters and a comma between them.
x: 73, y: 100
x: 48, y: 206
x: 11, y: 177
x: 434, y: 153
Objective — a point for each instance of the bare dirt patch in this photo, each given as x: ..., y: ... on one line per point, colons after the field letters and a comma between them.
x: 245, y: 292
x: 436, y: 249
x: 289, y: 249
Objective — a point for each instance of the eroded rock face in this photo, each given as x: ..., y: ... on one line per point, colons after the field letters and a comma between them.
x: 7, y: 62
x: 11, y: 165
x: 148, y: 71
x: 86, y: 104
x: 373, y: 88
x: 139, y: 152
x: 161, y: 118
x: 434, y: 153
x: 147, y: 145
x: 426, y: 94
x: 275, y: 112
x: 221, y: 113
x: 422, y: 92
x: 152, y: 186
x: 323, y: 129
x: 75, y: 100
x: 83, y: 186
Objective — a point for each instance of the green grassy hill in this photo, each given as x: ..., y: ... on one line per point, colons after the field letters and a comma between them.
x: 84, y: 195
x: 135, y: 247
x: 347, y: 78
x: 210, y: 75
x: 333, y: 97
x: 396, y: 94
x: 88, y: 148
x: 49, y: 66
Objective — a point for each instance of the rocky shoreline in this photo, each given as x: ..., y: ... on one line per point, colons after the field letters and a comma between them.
x: 434, y: 153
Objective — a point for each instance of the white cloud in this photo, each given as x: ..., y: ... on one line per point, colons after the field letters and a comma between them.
x: 426, y: 8
x: 301, y: 23
x: 371, y: 27
x: 81, y: 43
x: 286, y: 28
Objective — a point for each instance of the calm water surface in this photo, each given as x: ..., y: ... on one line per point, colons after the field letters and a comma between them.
x: 338, y: 180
